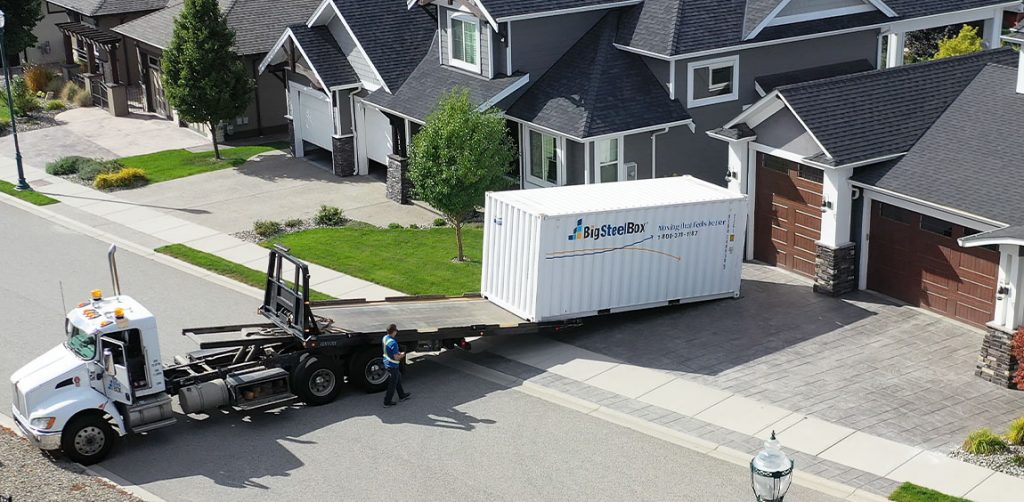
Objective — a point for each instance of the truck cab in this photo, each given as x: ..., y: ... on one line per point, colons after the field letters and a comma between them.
x: 104, y: 379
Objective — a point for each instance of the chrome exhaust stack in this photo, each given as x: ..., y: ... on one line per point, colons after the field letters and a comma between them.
x: 115, y: 280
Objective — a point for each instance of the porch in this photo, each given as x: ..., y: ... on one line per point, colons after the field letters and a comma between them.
x: 92, y: 60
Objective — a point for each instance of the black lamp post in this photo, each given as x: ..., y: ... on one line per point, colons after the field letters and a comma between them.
x: 22, y: 184
x: 771, y: 472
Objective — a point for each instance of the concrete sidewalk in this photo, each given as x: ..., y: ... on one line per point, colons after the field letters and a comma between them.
x: 150, y: 226
x: 722, y: 419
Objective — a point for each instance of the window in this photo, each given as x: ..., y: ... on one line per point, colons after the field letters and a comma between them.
x: 464, y: 42
x: 897, y: 214
x: 713, y: 81
x: 777, y: 164
x: 607, y: 160
x: 543, y: 159
x: 936, y: 226
x: 812, y: 174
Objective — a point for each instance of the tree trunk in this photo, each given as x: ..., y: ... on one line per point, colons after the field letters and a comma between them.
x: 458, y: 238
x: 216, y: 147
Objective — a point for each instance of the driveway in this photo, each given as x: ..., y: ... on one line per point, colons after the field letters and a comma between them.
x: 274, y: 187
x: 92, y: 132
x: 860, y: 361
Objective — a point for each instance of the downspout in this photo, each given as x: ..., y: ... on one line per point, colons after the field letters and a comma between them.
x: 256, y: 94
x: 654, y: 151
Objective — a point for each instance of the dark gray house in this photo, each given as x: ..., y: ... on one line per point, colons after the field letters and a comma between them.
x: 904, y: 181
x: 594, y: 90
x: 257, y: 25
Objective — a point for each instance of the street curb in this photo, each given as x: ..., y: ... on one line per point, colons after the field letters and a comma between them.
x: 656, y: 431
x: 122, y: 243
x: 96, y: 471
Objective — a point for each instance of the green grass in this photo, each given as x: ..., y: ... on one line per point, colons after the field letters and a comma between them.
x: 27, y: 195
x: 417, y: 262
x: 909, y: 492
x: 174, y: 164
x: 5, y: 113
x: 226, y: 268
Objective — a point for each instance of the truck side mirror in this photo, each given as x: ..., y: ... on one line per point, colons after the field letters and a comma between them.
x: 108, y: 362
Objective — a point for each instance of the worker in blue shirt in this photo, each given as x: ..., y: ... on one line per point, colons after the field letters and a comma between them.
x: 392, y: 361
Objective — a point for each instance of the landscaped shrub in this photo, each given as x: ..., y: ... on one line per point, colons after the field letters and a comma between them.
x: 38, y: 78
x: 266, y: 229
x: 1017, y: 351
x: 124, y: 178
x: 329, y: 216
x: 440, y: 222
x: 984, y: 442
x: 394, y: 226
x: 294, y: 222
x: 83, y: 99
x: 25, y: 101
x: 92, y: 168
x: 1017, y: 460
x: 70, y: 91
x: 1015, y: 432
x: 55, y: 105
x: 414, y: 226
x: 65, y: 166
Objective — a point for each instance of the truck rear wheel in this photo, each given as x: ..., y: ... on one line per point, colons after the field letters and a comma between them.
x: 87, y: 439
x: 315, y: 381
x: 366, y: 369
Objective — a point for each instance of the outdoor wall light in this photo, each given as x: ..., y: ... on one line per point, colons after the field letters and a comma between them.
x: 771, y: 472
x: 825, y: 205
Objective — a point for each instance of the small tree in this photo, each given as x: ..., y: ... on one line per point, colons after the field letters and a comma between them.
x: 458, y: 156
x: 203, y: 77
x: 21, y: 18
x: 966, y: 42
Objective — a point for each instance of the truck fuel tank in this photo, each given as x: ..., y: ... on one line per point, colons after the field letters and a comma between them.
x: 204, y: 396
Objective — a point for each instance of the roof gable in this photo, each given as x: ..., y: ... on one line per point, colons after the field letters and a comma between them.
x: 109, y: 7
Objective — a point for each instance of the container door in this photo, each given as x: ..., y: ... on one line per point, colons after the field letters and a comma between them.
x: 117, y: 387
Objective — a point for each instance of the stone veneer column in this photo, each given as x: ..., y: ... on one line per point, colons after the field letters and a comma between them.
x: 398, y: 185
x: 995, y: 363
x: 344, y: 156
x: 836, y: 269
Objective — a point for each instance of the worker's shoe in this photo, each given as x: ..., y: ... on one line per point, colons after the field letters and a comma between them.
x: 406, y: 396
x: 388, y: 405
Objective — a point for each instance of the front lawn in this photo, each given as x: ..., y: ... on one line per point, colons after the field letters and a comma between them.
x: 173, y: 164
x: 226, y: 268
x: 27, y: 195
x: 909, y: 492
x: 413, y: 261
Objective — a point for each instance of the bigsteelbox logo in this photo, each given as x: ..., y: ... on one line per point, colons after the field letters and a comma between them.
x: 582, y: 232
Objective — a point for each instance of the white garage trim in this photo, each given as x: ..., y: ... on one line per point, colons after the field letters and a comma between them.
x: 313, y: 117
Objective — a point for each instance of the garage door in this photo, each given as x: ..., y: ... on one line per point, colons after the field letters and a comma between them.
x: 787, y: 214
x: 915, y: 258
x: 379, y: 136
x: 315, y: 117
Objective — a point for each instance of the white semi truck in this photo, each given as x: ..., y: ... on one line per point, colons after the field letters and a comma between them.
x: 551, y: 258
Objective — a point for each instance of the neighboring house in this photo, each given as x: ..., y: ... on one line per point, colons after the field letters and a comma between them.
x: 49, y: 40
x: 96, y: 56
x: 594, y: 90
x: 257, y: 25
x: 905, y: 181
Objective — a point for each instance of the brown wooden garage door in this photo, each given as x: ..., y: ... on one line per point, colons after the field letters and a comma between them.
x: 916, y: 258
x: 787, y: 214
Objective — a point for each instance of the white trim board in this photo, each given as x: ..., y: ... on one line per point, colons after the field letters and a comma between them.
x: 355, y: 40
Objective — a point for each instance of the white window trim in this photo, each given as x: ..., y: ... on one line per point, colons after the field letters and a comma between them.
x: 712, y: 64
x: 465, y: 18
x: 621, y: 164
x: 559, y: 156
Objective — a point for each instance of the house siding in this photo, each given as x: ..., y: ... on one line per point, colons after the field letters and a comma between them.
x: 486, y: 57
x: 637, y: 148
x: 356, y: 58
x: 538, y: 43
x: 574, y: 163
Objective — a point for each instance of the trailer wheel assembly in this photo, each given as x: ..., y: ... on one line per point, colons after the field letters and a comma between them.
x: 315, y: 381
x: 367, y: 370
x: 87, y: 439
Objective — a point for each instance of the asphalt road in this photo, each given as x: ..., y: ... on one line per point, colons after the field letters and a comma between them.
x: 459, y: 438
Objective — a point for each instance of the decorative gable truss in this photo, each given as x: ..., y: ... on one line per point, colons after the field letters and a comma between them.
x: 761, y: 14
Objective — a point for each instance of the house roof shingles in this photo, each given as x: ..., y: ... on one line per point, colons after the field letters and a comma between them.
x: 429, y: 81
x: 393, y: 36
x: 768, y: 83
x: 324, y: 55
x: 969, y: 159
x: 108, y: 7
x: 257, y: 23
x: 676, y: 27
x: 503, y: 9
x: 596, y: 89
x: 884, y: 112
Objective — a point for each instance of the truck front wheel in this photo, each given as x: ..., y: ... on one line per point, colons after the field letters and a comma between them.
x: 315, y: 381
x: 87, y: 439
x: 366, y: 369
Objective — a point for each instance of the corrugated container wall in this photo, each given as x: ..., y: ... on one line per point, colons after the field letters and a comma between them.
x: 564, y: 252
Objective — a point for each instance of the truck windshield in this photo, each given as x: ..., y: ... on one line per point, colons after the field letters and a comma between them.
x: 81, y: 343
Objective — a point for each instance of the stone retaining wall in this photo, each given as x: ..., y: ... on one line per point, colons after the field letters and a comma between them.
x: 836, y: 269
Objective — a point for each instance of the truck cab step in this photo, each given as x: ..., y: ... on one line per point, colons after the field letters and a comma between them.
x: 154, y: 425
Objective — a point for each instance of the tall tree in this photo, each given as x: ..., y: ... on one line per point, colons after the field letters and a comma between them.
x: 966, y: 42
x: 204, y: 79
x: 21, y: 18
x: 457, y: 157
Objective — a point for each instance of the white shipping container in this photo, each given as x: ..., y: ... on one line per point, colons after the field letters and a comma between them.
x: 565, y: 252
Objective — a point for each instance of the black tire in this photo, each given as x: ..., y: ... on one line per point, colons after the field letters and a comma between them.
x: 315, y: 381
x: 87, y: 439
x: 366, y: 369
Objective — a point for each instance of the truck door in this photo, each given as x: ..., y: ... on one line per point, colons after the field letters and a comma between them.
x: 117, y: 387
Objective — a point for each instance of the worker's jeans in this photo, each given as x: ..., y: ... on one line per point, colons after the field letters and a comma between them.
x: 394, y: 382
